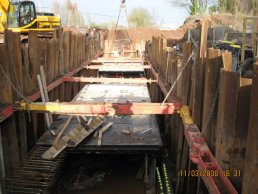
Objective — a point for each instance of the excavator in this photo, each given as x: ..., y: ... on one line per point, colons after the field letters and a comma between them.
x: 21, y: 16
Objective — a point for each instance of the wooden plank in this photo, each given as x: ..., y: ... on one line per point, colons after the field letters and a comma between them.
x: 251, y: 157
x: 9, y: 137
x: 14, y: 46
x: 212, y: 72
x: 199, y: 75
x: 71, y: 51
x: 51, y: 60
x: 183, y: 85
x: 102, y: 131
x: 14, y: 49
x: 243, y: 40
x: 240, y: 137
x: 226, y: 123
x: 75, y: 54
x: 26, y: 73
x: 43, y: 99
x: 204, y: 37
x: 33, y: 57
x: 60, y: 37
x: 68, y: 95
x: 10, y: 146
x: 5, y: 85
x: 197, y: 96
x: 174, y: 65
x: 62, y: 129
x: 227, y: 60
x: 61, y: 92
x: 66, y: 47
x: 56, y: 54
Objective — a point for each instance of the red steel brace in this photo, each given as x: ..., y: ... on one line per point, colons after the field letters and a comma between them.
x: 201, y: 155
x: 7, y: 112
x: 84, y: 108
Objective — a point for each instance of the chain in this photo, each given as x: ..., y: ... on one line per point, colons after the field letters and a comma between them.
x: 16, y: 90
x: 12, y: 85
x: 178, y: 77
x: 212, y: 109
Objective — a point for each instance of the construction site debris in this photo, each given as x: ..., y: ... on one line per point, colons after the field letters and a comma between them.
x: 146, y: 130
x: 73, y: 137
x: 102, y: 131
x: 63, y: 129
x: 126, y: 132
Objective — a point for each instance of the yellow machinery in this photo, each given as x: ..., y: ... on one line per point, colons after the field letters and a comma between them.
x: 21, y: 16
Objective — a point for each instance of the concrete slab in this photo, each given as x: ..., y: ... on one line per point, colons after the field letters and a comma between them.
x: 121, y: 67
x: 144, y: 132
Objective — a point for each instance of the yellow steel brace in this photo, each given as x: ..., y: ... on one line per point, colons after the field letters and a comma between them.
x: 186, y: 116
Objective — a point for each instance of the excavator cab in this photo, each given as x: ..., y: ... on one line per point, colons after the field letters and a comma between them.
x: 21, y: 14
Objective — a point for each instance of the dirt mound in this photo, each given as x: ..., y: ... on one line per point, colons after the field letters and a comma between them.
x: 140, y: 34
x: 137, y: 34
x: 76, y: 30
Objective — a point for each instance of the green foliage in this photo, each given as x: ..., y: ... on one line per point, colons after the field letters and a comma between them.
x: 107, y: 25
x: 140, y: 17
x: 194, y: 7
x: 212, y: 9
x: 238, y: 6
x: 197, y: 7
x: 244, y: 7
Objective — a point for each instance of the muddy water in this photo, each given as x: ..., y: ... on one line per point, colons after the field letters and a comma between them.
x: 122, y: 180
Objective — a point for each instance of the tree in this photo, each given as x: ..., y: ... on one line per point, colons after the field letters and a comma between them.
x: 238, y: 6
x: 69, y: 13
x: 140, y: 17
x: 228, y: 6
x: 194, y: 7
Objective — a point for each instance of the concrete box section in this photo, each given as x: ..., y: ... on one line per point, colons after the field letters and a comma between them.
x: 121, y: 67
x: 144, y: 132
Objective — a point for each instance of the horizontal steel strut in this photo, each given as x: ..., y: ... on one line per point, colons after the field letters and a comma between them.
x: 96, y: 67
x: 109, y: 80
x: 79, y: 108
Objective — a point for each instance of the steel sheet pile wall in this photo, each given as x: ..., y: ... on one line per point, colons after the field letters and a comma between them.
x: 219, y: 100
x: 20, y: 64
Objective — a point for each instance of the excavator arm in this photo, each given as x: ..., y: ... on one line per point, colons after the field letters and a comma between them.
x: 4, y: 5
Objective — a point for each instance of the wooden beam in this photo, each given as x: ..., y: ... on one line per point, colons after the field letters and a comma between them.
x: 226, y: 122
x: 238, y: 160
x: 251, y: 158
x: 199, y: 75
x: 9, y: 134
x: 243, y: 40
x: 212, y: 72
x: 183, y: 85
x: 172, y: 97
x: 227, y: 60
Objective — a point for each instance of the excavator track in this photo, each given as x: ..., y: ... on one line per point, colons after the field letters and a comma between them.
x: 36, y: 176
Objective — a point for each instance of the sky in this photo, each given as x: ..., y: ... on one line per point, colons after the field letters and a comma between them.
x: 101, y: 11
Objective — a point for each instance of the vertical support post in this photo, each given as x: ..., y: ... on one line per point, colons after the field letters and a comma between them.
x: 199, y: 75
x: 226, y: 122
x: 212, y: 72
x: 251, y: 158
x: 243, y: 40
